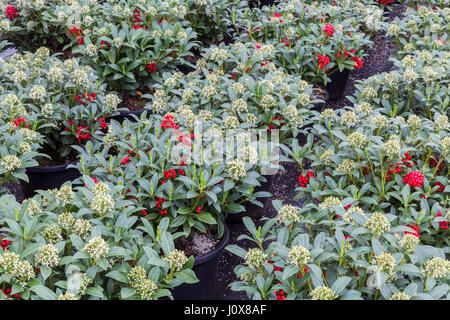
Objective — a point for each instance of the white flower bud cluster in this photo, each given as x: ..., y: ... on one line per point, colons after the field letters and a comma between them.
x: 219, y: 55
x: 436, y: 268
x: 349, y: 118
x: 414, y: 121
x: 354, y: 209
x: 81, y: 227
x: 346, y: 166
x: 80, y: 77
x: 206, y: 115
x: 53, y: 233
x: 33, y: 207
x: 378, y: 224
x: 304, y: 99
x: 231, y: 122
x: 97, y: 248
x: 255, y: 258
x: 379, y: 121
x: 65, y: 195
x: 267, y: 101
x: 408, y: 242
x: 236, y: 169
x: 393, y: 29
x: 368, y: 93
x: 400, y: 296
x: 325, y: 157
x: 38, y: 93
x: 299, y: 256
x: 159, y: 106
x: 239, y: 106
x: 47, y: 256
x: 409, y: 76
x: 66, y: 220
x: 357, y: 140
x: 288, y: 214
x: 327, y: 113
x: 188, y: 94
x: 102, y: 203
x: 445, y: 145
x: 441, y: 122
x: 176, y: 259
x: 386, y: 262
x: 251, y: 119
x: 238, y: 88
x: 68, y: 296
x: 248, y: 277
x: 112, y: 100
x: 208, y: 92
x: 10, y: 162
x: 21, y: 270
x: 392, y: 147
x: 139, y: 281
x: 323, y: 293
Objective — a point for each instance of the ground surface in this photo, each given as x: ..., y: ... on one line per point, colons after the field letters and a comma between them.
x: 285, y: 182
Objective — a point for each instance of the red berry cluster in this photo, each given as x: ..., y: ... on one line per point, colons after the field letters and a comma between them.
x: 323, y: 61
x: 304, y: 180
x: 7, y: 293
x: 12, y: 12
x: 103, y: 123
x: 359, y: 62
x: 169, y: 123
x: 272, y: 126
x: 384, y: 2
x: 151, y: 67
x: 414, y: 179
x: 199, y: 208
x: 159, y: 202
x: 434, y: 162
x: 286, y: 42
x: 328, y: 30
x: 5, y: 243
x: 406, y: 161
x: 442, y: 224
x: 19, y: 121
x: 415, y: 227
x: 103, y: 42
x: 144, y: 212
x: 276, y: 15
x: 126, y: 160
x: 78, y: 32
x: 79, y: 131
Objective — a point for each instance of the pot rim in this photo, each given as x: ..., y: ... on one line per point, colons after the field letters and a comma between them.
x: 49, y: 169
x: 217, y: 250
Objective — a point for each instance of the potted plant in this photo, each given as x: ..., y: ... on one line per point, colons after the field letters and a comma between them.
x: 154, y: 162
x: 63, y: 101
x: 87, y: 243
x: 16, y: 154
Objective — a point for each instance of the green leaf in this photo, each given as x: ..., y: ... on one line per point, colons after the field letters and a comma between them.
x: 187, y: 276
x: 96, y: 292
x: 236, y: 250
x: 44, y: 292
x: 340, y: 284
x: 117, y: 275
x: 127, y: 292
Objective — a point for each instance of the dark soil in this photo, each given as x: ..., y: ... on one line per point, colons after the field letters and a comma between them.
x: 200, y: 244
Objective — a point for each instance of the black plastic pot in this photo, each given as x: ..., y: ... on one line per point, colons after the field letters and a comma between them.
x: 127, y: 115
x: 250, y: 208
x: 44, y: 178
x: 205, y: 268
x: 336, y: 87
x: 262, y: 3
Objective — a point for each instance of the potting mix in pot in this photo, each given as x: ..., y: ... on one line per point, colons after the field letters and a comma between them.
x: 211, y: 150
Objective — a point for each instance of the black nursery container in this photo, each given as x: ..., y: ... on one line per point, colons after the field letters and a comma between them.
x: 205, y: 268
x: 336, y: 87
x: 127, y: 115
x: 262, y: 3
x: 250, y: 208
x: 43, y: 178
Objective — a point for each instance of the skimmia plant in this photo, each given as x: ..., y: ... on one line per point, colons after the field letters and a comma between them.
x: 420, y: 86
x: 129, y: 44
x: 62, y: 100
x: 87, y: 243
x: 233, y: 96
x: 17, y: 152
x: 370, y: 257
x: 306, y: 42
x: 155, y: 164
